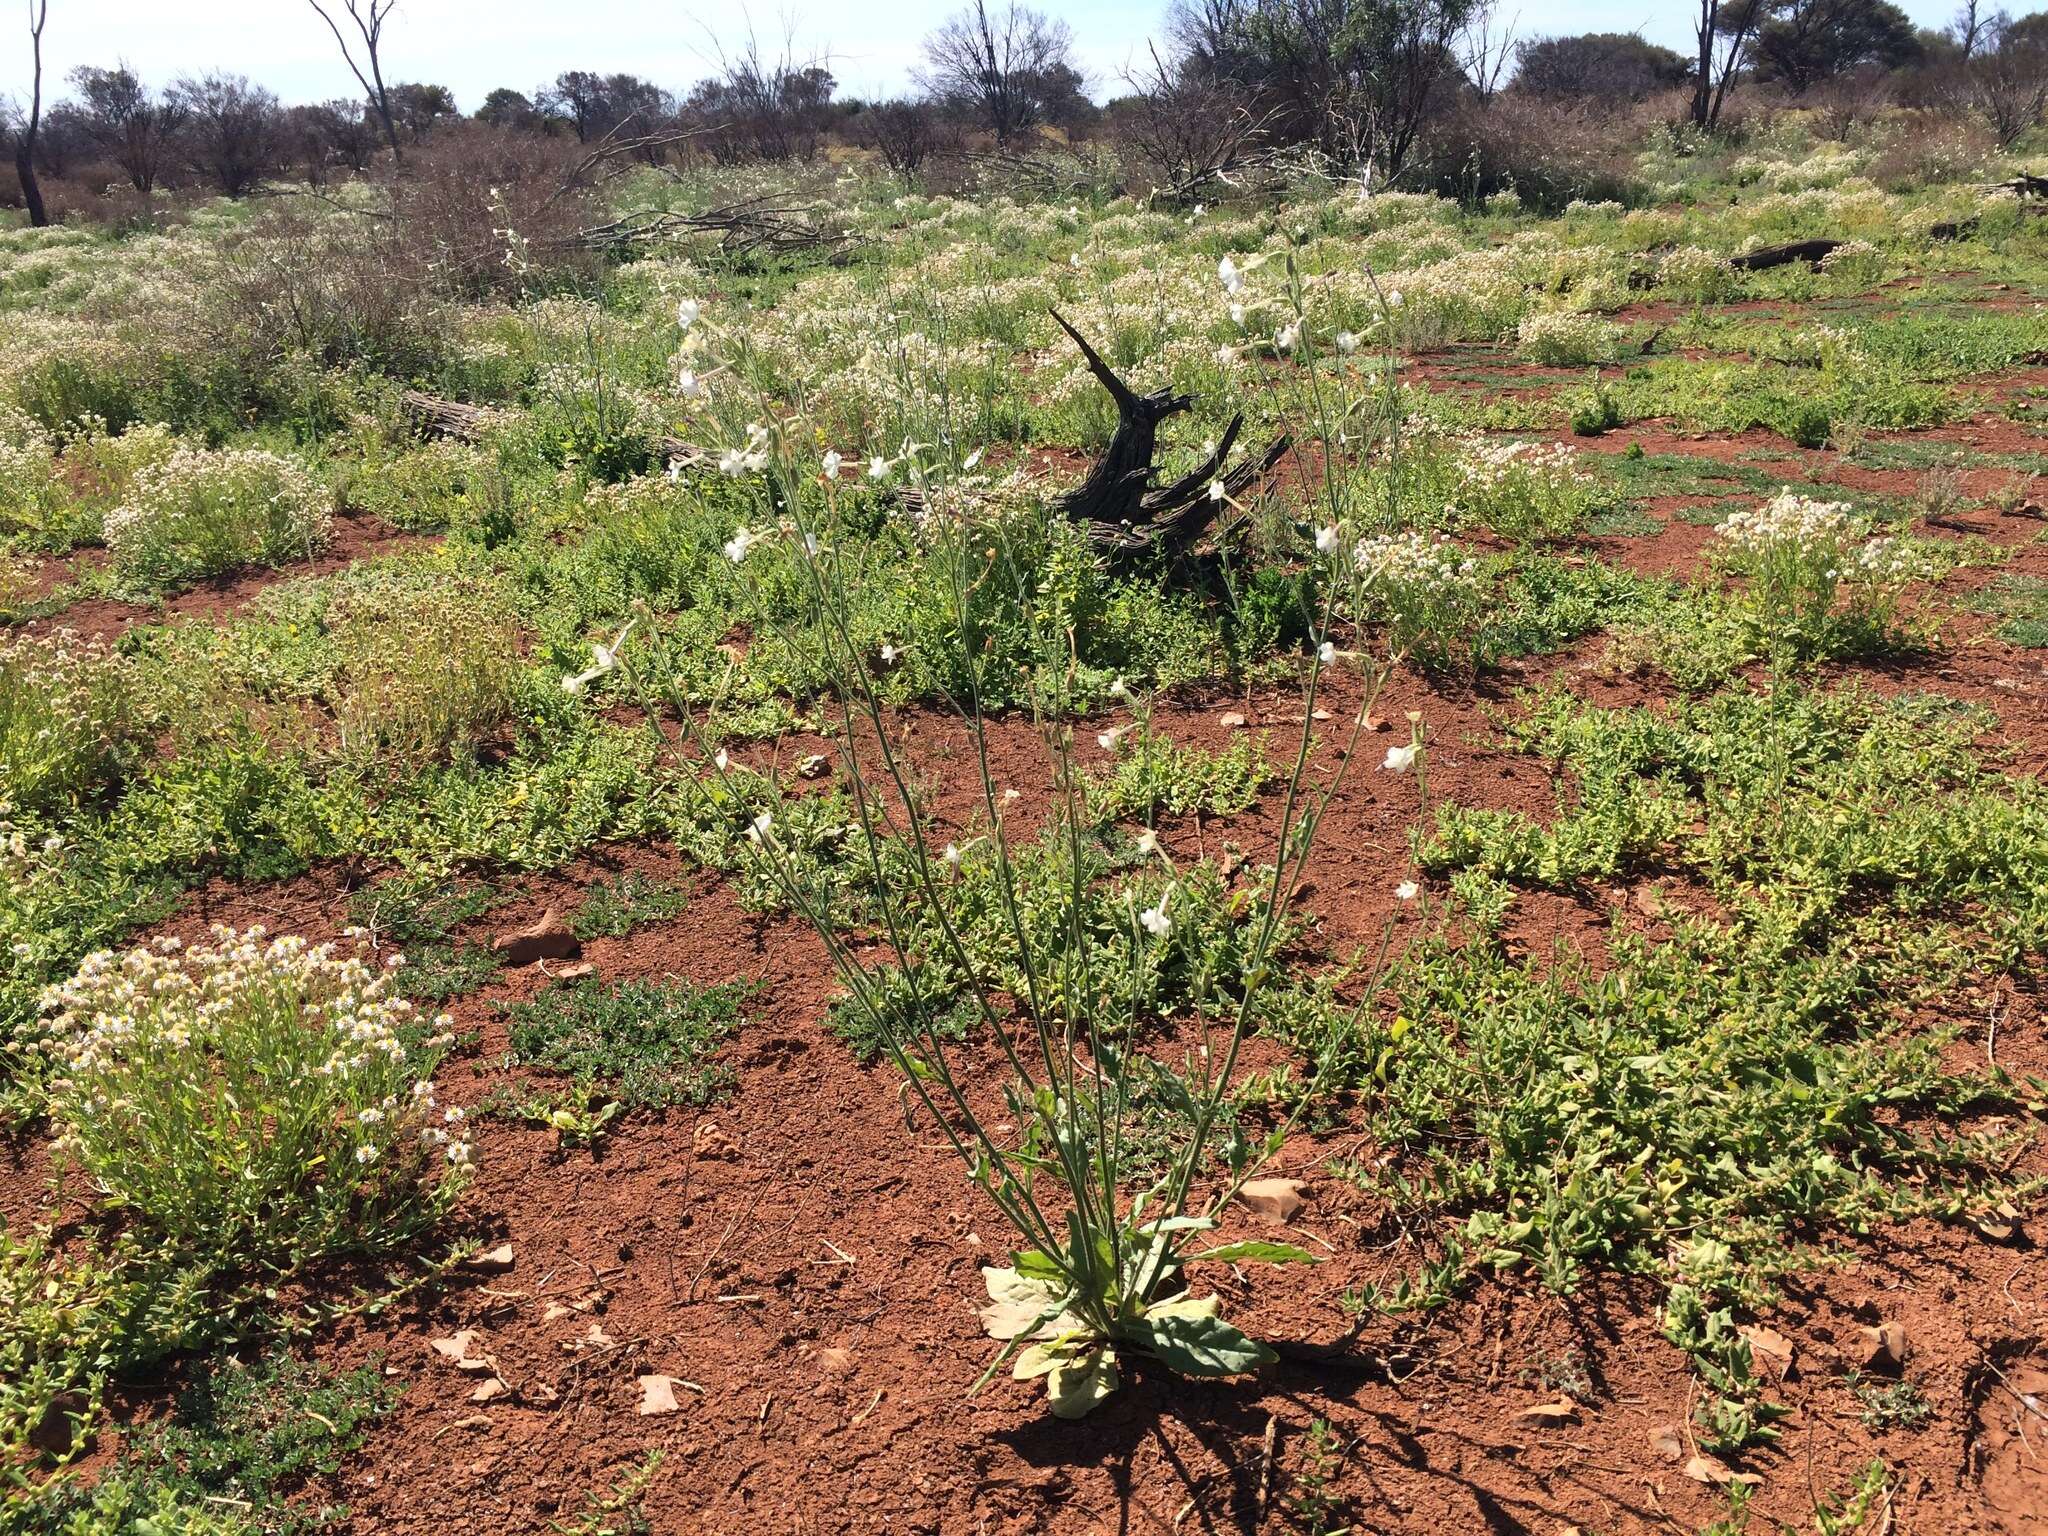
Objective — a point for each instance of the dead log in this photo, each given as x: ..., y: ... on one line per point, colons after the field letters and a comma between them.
x: 467, y: 423
x: 1120, y: 509
x: 1762, y: 259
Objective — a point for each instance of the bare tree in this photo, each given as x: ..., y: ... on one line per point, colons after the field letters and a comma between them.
x: 904, y: 133
x: 762, y: 106
x: 369, y: 17
x: 1724, y: 32
x: 32, y: 120
x: 2006, y: 84
x: 1968, y: 27
x: 119, y: 114
x: 1001, y: 65
x: 1486, y: 46
x: 1191, y: 128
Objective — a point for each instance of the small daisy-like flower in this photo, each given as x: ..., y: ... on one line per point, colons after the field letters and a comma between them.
x: 366, y: 1154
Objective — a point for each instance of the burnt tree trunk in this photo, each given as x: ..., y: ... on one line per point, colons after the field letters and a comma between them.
x: 1812, y: 252
x: 1118, y: 506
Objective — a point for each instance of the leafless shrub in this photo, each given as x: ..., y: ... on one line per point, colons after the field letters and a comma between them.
x: 1550, y: 150
x: 1188, y: 131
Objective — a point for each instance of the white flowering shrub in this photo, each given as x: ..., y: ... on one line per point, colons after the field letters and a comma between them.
x: 1565, y: 338
x: 1522, y: 490
x: 66, y: 718
x: 32, y: 495
x: 1429, y: 593
x: 1814, y: 579
x: 200, y: 512
x: 1855, y: 262
x: 257, y: 1098
x: 1698, y: 274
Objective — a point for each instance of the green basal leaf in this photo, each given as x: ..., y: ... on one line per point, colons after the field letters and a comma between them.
x: 1020, y: 1306
x: 1198, y: 1344
x: 1179, y: 1224
x: 1033, y: 1265
x: 1076, y: 1387
x: 1256, y: 1253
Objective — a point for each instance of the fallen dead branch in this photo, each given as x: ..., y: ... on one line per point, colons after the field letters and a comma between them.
x: 743, y: 231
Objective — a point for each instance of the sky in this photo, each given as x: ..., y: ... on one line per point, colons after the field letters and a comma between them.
x: 473, y: 45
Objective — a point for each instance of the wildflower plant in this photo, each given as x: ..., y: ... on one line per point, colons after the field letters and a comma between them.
x: 1816, y: 582
x: 67, y: 718
x: 259, y: 1100
x: 1430, y: 594
x: 1064, y: 968
x: 199, y: 513
x: 1522, y: 490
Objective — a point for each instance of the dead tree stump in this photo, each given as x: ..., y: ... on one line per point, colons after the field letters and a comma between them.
x: 1120, y: 509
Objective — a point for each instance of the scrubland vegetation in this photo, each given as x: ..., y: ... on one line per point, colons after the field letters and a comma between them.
x: 641, y: 891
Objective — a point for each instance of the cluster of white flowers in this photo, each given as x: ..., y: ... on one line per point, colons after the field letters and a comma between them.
x: 151, y: 1040
x: 1697, y: 273
x: 1487, y: 467
x: 201, y: 511
x: 64, y: 712
x: 1410, y: 562
x: 1565, y: 337
x: 1788, y: 520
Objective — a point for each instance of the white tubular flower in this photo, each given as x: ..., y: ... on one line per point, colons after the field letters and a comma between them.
x: 1148, y: 843
x: 1288, y: 337
x: 951, y: 856
x: 761, y: 827
x: 830, y: 464
x: 1217, y: 492
x: 1109, y: 738
x: 688, y: 385
x: 1407, y: 890
x: 1119, y: 689
x: 1347, y: 341
x: 1399, y: 759
x: 1394, y: 299
x: 1237, y: 314
x: 1156, y: 922
x: 1326, y: 539
x: 1229, y: 276
x: 878, y: 468
x: 888, y: 654
x: 737, y: 546
x: 972, y: 459
x: 687, y: 313
x: 721, y: 761
x: 1326, y: 652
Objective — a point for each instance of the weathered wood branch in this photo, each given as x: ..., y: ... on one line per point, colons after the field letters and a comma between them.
x: 742, y: 230
x: 1118, y: 506
x: 467, y: 423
